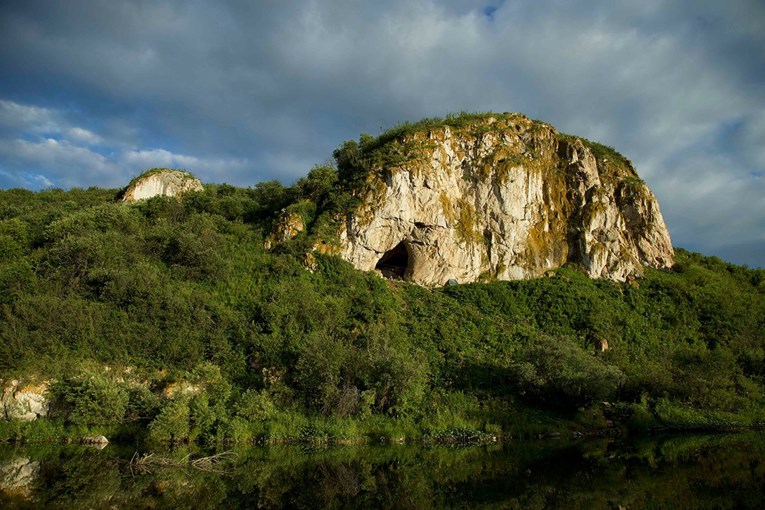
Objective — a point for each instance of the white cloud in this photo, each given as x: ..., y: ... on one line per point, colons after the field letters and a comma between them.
x: 204, y: 168
x: 39, y: 121
x: 28, y: 118
x: 245, y: 91
x: 85, y: 136
x: 58, y: 159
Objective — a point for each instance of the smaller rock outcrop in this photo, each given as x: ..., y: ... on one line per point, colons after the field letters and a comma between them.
x: 288, y: 225
x: 24, y: 401
x: 160, y: 182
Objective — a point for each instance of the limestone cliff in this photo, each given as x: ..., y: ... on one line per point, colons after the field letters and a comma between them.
x: 498, y: 197
x: 160, y: 182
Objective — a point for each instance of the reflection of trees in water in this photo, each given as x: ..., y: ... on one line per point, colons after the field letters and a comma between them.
x: 691, y: 471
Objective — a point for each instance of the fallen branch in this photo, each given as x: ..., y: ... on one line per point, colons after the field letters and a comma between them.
x: 144, y: 464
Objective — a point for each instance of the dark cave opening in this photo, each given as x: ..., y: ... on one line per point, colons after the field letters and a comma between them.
x: 394, y: 263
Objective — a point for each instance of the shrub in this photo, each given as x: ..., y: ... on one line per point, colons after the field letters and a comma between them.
x: 172, y: 423
x: 143, y: 405
x: 559, y: 373
x: 255, y: 406
x: 95, y: 400
x: 641, y: 418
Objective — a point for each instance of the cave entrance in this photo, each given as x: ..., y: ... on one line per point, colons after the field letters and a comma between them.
x: 394, y: 263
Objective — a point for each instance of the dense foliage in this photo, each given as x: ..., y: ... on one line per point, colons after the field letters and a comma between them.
x: 123, y: 304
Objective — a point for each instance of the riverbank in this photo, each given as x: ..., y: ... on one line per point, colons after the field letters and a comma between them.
x: 296, y: 429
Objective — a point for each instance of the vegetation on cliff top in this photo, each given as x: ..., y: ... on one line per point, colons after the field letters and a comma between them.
x: 356, y: 160
x: 169, y: 315
x: 155, y: 171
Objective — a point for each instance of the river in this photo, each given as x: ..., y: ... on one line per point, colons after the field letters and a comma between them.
x: 690, y: 471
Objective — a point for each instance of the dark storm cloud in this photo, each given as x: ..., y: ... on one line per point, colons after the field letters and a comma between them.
x: 94, y: 92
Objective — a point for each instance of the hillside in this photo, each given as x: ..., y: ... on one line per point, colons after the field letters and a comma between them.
x: 169, y: 318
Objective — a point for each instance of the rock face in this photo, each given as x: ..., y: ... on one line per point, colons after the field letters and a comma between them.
x: 503, y: 198
x: 161, y: 182
x: 25, y: 402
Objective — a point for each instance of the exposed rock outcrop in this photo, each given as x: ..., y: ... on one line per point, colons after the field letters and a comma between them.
x: 289, y: 224
x: 503, y: 197
x: 160, y: 182
x: 24, y: 401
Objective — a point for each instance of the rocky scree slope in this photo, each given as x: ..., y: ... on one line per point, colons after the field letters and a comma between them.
x: 499, y: 197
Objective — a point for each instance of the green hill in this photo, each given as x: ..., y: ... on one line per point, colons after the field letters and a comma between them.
x: 169, y: 317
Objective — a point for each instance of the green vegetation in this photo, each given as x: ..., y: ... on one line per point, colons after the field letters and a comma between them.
x: 121, y: 305
x: 168, y: 319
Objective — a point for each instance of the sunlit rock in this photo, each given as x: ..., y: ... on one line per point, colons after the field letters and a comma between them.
x: 24, y: 401
x: 504, y: 198
x: 160, y: 182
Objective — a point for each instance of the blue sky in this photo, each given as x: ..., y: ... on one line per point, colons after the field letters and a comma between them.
x: 94, y: 92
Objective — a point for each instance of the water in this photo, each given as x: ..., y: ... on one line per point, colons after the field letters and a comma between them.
x: 722, y: 471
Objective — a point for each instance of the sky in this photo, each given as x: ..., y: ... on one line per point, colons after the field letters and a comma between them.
x: 92, y: 93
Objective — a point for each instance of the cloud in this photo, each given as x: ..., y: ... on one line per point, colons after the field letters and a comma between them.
x: 54, y: 160
x: 83, y: 136
x: 64, y: 155
x: 34, y: 120
x: 246, y: 91
x: 222, y: 169
x: 27, y: 118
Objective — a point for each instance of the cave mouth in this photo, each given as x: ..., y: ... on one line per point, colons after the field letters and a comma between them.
x: 394, y: 263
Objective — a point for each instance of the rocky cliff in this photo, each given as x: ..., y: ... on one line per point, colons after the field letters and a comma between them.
x: 500, y: 197
x: 160, y: 182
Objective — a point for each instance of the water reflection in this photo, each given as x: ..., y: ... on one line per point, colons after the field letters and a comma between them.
x: 17, y: 475
x: 679, y: 472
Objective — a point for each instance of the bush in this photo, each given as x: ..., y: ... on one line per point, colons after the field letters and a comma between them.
x: 641, y: 418
x: 186, y: 286
x: 143, y: 405
x: 172, y: 423
x: 558, y: 373
x: 95, y: 400
x: 255, y: 406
